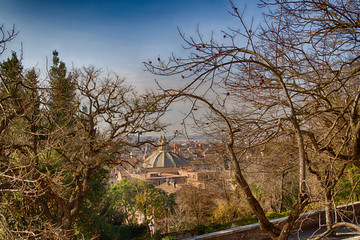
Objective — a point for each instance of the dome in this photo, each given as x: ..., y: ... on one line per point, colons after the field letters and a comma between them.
x: 161, y: 159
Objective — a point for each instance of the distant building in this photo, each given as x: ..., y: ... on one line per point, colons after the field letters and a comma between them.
x: 168, y: 170
x: 200, y: 178
x: 164, y: 158
x: 159, y: 178
x: 114, y: 175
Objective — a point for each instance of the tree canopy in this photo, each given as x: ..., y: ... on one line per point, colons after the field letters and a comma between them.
x: 56, y: 140
x: 296, y: 76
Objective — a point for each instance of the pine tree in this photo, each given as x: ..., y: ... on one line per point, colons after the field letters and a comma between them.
x: 10, y: 75
x: 62, y: 92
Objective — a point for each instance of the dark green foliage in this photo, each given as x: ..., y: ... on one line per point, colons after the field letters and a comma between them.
x: 11, y: 69
x: 123, y: 232
x: 290, y: 190
x: 100, y: 226
x: 20, y: 111
x: 62, y: 92
x: 208, y: 228
x: 97, y: 214
x: 142, y: 196
x: 52, y: 155
x: 349, y: 186
x: 275, y: 215
x: 11, y: 80
x: 89, y: 216
x: 169, y: 238
x: 214, y: 226
x: 103, y: 213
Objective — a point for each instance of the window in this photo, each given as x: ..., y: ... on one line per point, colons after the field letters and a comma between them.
x: 194, y: 176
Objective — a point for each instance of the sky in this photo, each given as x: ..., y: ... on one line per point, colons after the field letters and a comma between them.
x: 112, y: 35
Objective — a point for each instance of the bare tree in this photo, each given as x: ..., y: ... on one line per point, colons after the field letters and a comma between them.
x: 325, y: 38
x: 297, y: 75
x: 6, y: 36
x: 195, y: 204
x: 47, y: 167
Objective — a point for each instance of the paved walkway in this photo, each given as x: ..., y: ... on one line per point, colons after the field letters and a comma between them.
x: 344, y: 233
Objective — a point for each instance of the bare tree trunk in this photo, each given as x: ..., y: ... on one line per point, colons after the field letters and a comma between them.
x: 329, y: 210
x: 265, y: 224
x: 67, y: 227
x: 290, y: 221
x: 282, y: 192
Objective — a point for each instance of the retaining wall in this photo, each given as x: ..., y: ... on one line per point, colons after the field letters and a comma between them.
x: 252, y: 232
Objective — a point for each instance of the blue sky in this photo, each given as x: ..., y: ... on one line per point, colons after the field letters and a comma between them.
x: 115, y: 35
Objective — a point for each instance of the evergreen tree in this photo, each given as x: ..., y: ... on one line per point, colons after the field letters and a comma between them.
x: 62, y: 92
x: 49, y: 178
x: 10, y: 75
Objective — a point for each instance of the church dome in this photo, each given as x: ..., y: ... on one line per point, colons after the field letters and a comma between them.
x: 164, y: 158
